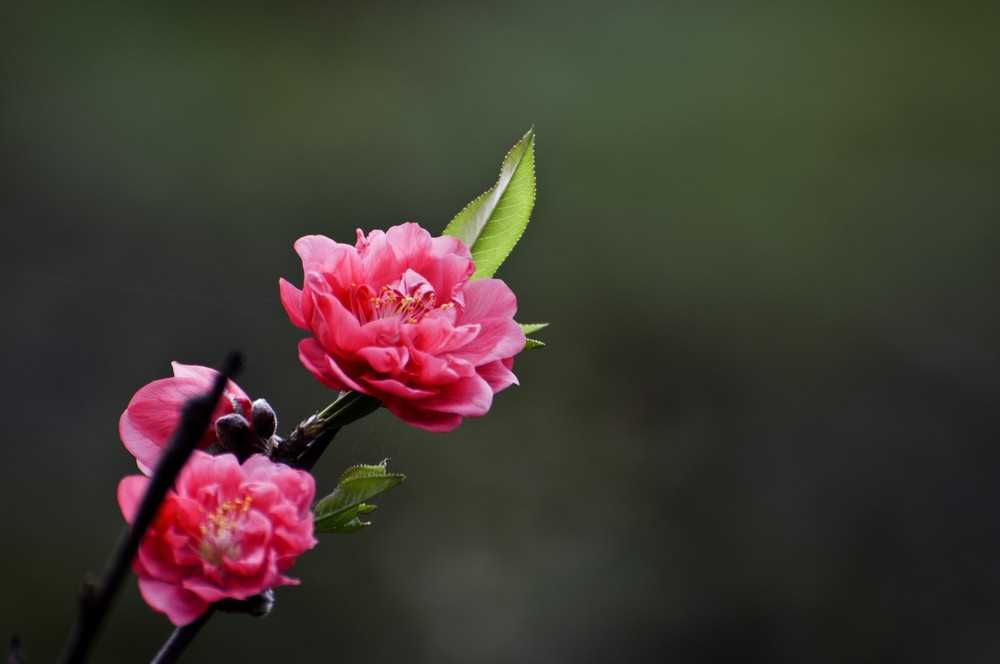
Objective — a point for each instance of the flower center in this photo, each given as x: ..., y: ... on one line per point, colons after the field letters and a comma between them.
x: 220, y: 530
x: 411, y: 298
x: 411, y: 308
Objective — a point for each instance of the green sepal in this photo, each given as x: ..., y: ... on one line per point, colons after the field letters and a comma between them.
x: 530, y: 328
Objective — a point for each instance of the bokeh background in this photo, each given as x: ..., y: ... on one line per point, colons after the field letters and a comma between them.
x: 765, y: 428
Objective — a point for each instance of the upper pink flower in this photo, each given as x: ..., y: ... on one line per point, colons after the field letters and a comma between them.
x: 153, y: 413
x: 224, y: 531
x: 396, y: 317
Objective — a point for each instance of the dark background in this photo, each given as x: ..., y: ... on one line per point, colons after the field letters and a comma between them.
x: 766, y: 425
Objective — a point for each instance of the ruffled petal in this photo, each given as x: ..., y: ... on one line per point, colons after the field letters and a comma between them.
x: 497, y: 375
x: 291, y: 300
x: 336, y: 328
x: 318, y: 252
x: 130, y: 492
x: 409, y: 242
x: 180, y: 605
x: 498, y: 338
x: 387, y: 360
x: 381, y: 265
x: 468, y: 397
x: 152, y: 415
x: 205, y: 475
x: 206, y: 376
x: 204, y: 589
x: 488, y: 298
x: 393, y: 387
x: 324, y: 367
x: 428, y: 420
x: 145, y: 449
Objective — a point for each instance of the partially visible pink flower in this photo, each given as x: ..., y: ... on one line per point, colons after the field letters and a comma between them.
x: 154, y: 411
x: 224, y: 531
x: 395, y: 317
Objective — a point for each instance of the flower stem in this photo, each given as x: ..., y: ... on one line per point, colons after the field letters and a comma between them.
x: 181, y: 638
x: 305, y: 445
x: 349, y: 407
x: 96, y: 599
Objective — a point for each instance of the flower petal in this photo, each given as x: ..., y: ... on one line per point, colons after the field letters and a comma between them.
x: 498, y: 339
x: 497, y: 375
x: 206, y: 376
x: 409, y: 242
x: 468, y: 397
x: 391, y: 386
x: 428, y: 420
x: 336, y: 328
x: 291, y: 299
x: 180, y: 605
x: 488, y: 298
x: 386, y: 360
x: 324, y: 367
x: 130, y: 492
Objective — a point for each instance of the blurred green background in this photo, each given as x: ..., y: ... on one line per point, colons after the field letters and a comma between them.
x: 765, y: 427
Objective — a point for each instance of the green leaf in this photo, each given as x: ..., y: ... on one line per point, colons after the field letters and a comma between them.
x: 495, y: 220
x: 530, y: 328
x: 530, y: 343
x: 341, y: 511
x: 349, y: 521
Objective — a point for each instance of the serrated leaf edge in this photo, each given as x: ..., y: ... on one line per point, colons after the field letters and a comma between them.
x: 450, y: 229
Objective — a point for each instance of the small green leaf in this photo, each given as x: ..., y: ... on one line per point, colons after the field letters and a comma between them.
x: 349, y: 520
x: 495, y: 220
x: 341, y: 511
x: 364, y: 470
x: 530, y: 328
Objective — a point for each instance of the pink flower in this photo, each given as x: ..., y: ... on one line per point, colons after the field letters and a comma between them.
x: 224, y: 531
x: 396, y: 317
x: 153, y: 413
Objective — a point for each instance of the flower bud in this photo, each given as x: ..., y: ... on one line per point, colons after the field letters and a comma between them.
x: 236, y: 436
x: 265, y: 422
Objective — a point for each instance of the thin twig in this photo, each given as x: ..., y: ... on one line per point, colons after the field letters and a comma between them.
x: 352, y: 406
x: 96, y: 600
x: 180, y: 639
x: 16, y: 653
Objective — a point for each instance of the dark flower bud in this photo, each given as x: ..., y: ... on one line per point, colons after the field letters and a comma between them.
x: 236, y: 436
x: 265, y: 422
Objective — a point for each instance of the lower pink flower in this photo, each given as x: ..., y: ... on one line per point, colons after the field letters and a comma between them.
x: 225, y: 531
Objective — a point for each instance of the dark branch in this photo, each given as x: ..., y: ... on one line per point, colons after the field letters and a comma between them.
x: 16, y: 653
x: 96, y: 600
x: 181, y: 639
x: 306, y: 444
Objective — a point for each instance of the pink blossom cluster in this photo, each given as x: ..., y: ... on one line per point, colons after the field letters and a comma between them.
x: 393, y: 316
